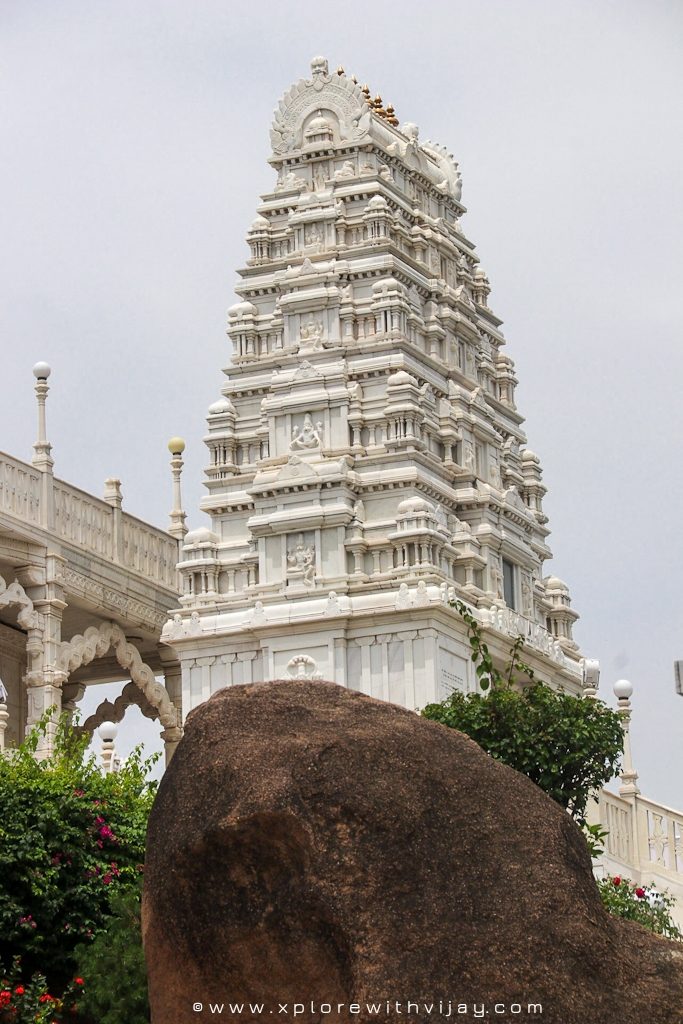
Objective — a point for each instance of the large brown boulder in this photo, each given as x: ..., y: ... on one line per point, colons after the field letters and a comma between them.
x: 310, y: 845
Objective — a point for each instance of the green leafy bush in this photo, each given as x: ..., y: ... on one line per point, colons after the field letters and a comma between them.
x: 642, y: 903
x: 69, y: 838
x: 569, y: 746
x: 114, y: 966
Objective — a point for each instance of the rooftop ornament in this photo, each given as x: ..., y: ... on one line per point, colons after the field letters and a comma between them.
x: 177, y: 529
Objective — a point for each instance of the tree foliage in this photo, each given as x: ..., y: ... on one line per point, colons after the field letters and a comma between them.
x: 569, y: 746
x: 70, y: 837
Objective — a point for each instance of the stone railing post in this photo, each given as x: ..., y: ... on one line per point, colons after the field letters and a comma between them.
x: 113, y: 497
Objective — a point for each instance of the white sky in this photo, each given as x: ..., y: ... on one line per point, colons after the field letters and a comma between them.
x: 135, y: 138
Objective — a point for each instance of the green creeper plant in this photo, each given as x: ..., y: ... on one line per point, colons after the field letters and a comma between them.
x: 569, y: 746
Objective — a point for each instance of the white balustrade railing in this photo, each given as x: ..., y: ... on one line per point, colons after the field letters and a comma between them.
x: 19, y: 489
x: 85, y: 522
x: 644, y: 842
x: 505, y: 620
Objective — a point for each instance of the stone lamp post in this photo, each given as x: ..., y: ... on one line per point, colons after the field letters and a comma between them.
x: 107, y: 732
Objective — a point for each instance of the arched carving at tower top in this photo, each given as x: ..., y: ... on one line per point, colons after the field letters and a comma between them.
x: 334, y: 92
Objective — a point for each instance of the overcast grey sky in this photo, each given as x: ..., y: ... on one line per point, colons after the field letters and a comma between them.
x: 135, y: 138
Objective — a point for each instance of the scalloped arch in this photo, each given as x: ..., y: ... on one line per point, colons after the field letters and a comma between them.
x: 115, y: 711
x: 96, y: 642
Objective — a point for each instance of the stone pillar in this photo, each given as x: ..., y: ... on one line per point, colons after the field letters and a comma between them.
x: 44, y: 678
x: 629, y: 776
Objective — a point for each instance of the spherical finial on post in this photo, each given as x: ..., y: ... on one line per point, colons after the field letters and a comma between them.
x: 623, y: 690
x: 177, y: 529
x: 42, y: 447
x: 107, y: 732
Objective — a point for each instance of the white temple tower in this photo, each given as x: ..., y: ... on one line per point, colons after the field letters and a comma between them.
x: 367, y: 459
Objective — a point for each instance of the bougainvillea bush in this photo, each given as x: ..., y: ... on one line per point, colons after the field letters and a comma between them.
x: 33, y: 1003
x: 70, y: 837
x: 642, y: 903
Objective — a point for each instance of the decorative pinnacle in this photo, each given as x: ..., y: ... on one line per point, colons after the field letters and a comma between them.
x: 42, y: 447
x: 177, y: 529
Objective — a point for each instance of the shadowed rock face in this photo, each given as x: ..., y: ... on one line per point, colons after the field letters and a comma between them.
x: 309, y: 843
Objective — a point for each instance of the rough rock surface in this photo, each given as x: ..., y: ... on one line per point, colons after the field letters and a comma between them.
x: 309, y: 844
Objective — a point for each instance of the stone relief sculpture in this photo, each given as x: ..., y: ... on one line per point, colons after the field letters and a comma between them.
x: 307, y: 436
x: 311, y: 336
x: 301, y: 564
x: 290, y: 182
x: 347, y: 170
x: 302, y: 666
x: 313, y: 235
x: 497, y: 578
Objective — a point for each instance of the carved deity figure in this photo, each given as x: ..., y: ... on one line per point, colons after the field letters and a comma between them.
x: 497, y: 579
x: 300, y: 563
x: 347, y: 170
x: 307, y: 436
x: 312, y: 334
x: 359, y: 510
x: 289, y: 182
x: 312, y: 235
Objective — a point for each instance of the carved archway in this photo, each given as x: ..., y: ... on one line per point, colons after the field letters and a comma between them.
x: 114, y: 711
x: 15, y: 596
x: 98, y: 641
